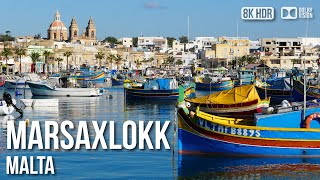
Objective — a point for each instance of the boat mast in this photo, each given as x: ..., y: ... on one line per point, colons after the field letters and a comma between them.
x: 304, y: 79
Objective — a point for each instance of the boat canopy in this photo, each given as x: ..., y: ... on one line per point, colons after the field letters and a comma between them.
x: 236, y: 95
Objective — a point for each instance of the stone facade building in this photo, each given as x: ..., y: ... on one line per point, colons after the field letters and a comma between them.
x: 57, y: 30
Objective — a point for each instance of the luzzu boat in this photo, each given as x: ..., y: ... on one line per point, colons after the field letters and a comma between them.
x: 313, y: 92
x: 161, y: 88
x: 244, y: 77
x: 283, y: 134
x: 278, y: 89
x: 242, y: 101
x: 117, y: 80
x: 215, y: 84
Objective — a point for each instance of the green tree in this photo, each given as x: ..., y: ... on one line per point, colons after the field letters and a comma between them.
x: 170, y: 41
x: 6, y: 52
x: 59, y: 60
x: 111, y: 40
x: 169, y: 61
x: 295, y: 61
x: 179, y: 62
x: 150, y: 60
x: 183, y: 39
x: 100, y: 55
x: 118, y: 59
x: 20, y: 52
x: 67, y: 54
x: 135, y: 42
x: 34, y: 57
x: 138, y: 63
x: 46, y: 55
x: 111, y: 58
x: 6, y: 37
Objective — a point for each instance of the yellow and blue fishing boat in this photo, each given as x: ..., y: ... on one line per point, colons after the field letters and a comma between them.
x: 241, y: 101
x: 281, y: 134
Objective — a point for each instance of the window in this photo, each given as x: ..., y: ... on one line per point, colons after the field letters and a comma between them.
x: 54, y: 36
x: 75, y: 33
x: 268, y: 42
x: 92, y: 34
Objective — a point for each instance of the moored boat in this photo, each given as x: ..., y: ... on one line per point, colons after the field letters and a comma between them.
x: 161, y: 88
x: 313, y: 92
x: 242, y: 101
x: 51, y: 89
x: 282, y: 134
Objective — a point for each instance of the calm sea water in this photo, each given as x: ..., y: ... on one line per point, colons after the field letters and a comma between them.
x: 142, y: 164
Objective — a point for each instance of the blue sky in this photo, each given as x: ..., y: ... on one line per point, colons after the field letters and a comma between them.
x: 128, y: 18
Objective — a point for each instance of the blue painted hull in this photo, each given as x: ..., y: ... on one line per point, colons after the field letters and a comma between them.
x: 152, y: 94
x: 207, y: 136
x: 190, y: 143
x: 226, y: 85
x: 116, y: 82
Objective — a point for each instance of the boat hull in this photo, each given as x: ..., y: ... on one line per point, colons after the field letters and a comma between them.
x: 11, y: 84
x: 215, y: 86
x: 206, y: 137
x: 39, y: 89
x: 116, y: 82
x: 152, y: 94
x: 298, y: 92
x: 277, y: 95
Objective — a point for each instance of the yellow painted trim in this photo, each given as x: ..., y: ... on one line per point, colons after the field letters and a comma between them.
x: 254, y: 137
x: 211, y: 118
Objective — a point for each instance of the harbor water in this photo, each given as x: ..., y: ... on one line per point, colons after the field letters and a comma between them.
x: 140, y: 164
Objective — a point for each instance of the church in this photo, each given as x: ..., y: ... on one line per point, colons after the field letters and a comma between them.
x: 58, y: 31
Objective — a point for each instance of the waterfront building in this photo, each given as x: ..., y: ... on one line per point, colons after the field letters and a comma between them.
x: 285, y: 53
x: 153, y: 43
x: 227, y: 49
x: 126, y: 42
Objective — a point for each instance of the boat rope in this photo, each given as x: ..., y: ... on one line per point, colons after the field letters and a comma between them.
x: 8, y: 99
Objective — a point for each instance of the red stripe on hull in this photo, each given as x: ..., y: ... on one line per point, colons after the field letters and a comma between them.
x: 247, y: 141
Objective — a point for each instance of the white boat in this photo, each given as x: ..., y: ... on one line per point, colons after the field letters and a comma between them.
x: 44, y: 89
x: 16, y: 82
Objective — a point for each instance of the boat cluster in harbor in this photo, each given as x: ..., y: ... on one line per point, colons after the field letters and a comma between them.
x: 241, y: 121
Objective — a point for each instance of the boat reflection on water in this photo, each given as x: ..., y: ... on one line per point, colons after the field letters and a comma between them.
x: 213, y: 167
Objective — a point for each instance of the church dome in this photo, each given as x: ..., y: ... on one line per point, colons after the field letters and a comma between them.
x: 57, y: 24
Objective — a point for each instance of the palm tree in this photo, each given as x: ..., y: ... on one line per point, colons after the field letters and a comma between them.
x: 111, y: 57
x: 34, y: 56
x: 68, y: 53
x: 100, y: 55
x: 118, y: 60
x: 151, y: 59
x: 170, y: 60
x: 179, y: 62
x: 59, y: 60
x: 6, y: 52
x: 46, y: 54
x: 20, y: 52
x: 295, y: 61
x: 138, y: 63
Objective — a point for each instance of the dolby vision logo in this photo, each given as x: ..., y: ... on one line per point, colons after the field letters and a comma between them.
x: 289, y: 13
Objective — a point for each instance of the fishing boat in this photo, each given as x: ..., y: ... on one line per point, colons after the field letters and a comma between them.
x: 278, y: 89
x: 117, y: 79
x: 161, y: 88
x: 241, y: 101
x: 313, y: 91
x: 213, y: 83
x: 279, y: 134
x: 59, y: 87
x: 244, y: 77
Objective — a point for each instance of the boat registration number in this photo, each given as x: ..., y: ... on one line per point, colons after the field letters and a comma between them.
x: 228, y: 130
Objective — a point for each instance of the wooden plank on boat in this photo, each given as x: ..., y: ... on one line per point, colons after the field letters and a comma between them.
x: 40, y: 102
